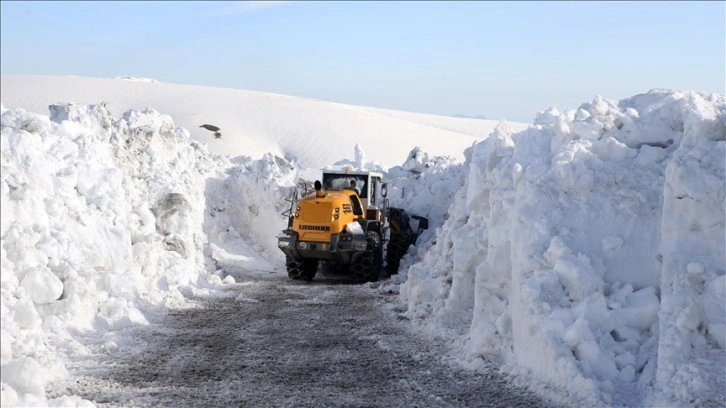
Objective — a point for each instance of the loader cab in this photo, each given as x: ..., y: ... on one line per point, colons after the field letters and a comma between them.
x: 368, y: 186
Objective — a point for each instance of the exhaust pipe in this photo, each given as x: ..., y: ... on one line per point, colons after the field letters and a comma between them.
x: 319, y: 192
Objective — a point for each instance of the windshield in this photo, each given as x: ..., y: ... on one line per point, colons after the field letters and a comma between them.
x: 343, y: 181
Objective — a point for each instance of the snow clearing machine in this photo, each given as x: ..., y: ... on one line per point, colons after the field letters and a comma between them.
x: 345, y: 220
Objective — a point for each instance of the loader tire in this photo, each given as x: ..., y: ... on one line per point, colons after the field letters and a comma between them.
x: 368, y: 267
x: 305, y: 269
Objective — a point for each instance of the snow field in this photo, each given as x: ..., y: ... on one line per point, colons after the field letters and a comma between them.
x: 306, y: 132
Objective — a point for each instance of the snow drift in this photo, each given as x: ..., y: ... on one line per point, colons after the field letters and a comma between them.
x: 588, y: 251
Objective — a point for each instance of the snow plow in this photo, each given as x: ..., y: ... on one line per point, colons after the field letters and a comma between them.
x: 345, y: 220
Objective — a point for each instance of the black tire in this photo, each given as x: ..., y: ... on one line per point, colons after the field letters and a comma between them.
x: 368, y: 266
x: 309, y: 269
x: 304, y: 269
x: 293, y: 268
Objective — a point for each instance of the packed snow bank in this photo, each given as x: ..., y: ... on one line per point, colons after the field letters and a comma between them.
x: 588, y: 251
x: 244, y: 214
x: 105, y: 221
x: 693, y: 251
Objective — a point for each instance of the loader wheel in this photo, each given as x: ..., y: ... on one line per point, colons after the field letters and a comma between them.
x: 304, y: 269
x: 309, y: 269
x: 368, y: 266
x: 293, y: 268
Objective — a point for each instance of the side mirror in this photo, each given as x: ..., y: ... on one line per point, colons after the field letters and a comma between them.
x: 384, y: 190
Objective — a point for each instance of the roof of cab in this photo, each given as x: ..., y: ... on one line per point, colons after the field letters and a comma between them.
x: 353, y: 173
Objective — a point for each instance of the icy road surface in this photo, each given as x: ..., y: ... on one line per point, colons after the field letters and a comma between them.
x: 282, y: 343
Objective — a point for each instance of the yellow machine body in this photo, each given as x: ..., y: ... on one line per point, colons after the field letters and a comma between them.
x: 320, y: 215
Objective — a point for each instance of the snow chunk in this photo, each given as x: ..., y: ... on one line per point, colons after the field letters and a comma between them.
x: 641, y: 308
x: 26, y: 315
x: 575, y: 272
x: 42, y: 285
x: 25, y: 375
x: 417, y: 161
x: 354, y: 228
x: 610, y: 148
x: 242, y: 298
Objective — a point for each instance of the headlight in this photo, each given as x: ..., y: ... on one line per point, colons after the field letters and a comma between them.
x: 283, y: 244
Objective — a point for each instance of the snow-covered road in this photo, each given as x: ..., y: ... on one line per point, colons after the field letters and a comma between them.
x: 277, y: 343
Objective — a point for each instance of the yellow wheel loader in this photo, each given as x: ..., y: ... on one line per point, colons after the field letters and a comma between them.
x: 345, y: 220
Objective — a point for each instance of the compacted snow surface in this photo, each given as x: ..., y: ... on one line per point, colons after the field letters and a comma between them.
x: 275, y: 342
x: 583, y: 256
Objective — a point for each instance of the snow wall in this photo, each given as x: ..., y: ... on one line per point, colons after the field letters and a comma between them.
x: 106, y: 221
x: 588, y: 251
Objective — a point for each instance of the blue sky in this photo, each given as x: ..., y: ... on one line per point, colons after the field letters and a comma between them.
x: 497, y: 59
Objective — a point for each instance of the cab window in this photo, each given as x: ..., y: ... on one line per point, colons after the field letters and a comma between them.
x: 375, y: 191
x: 357, y: 208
